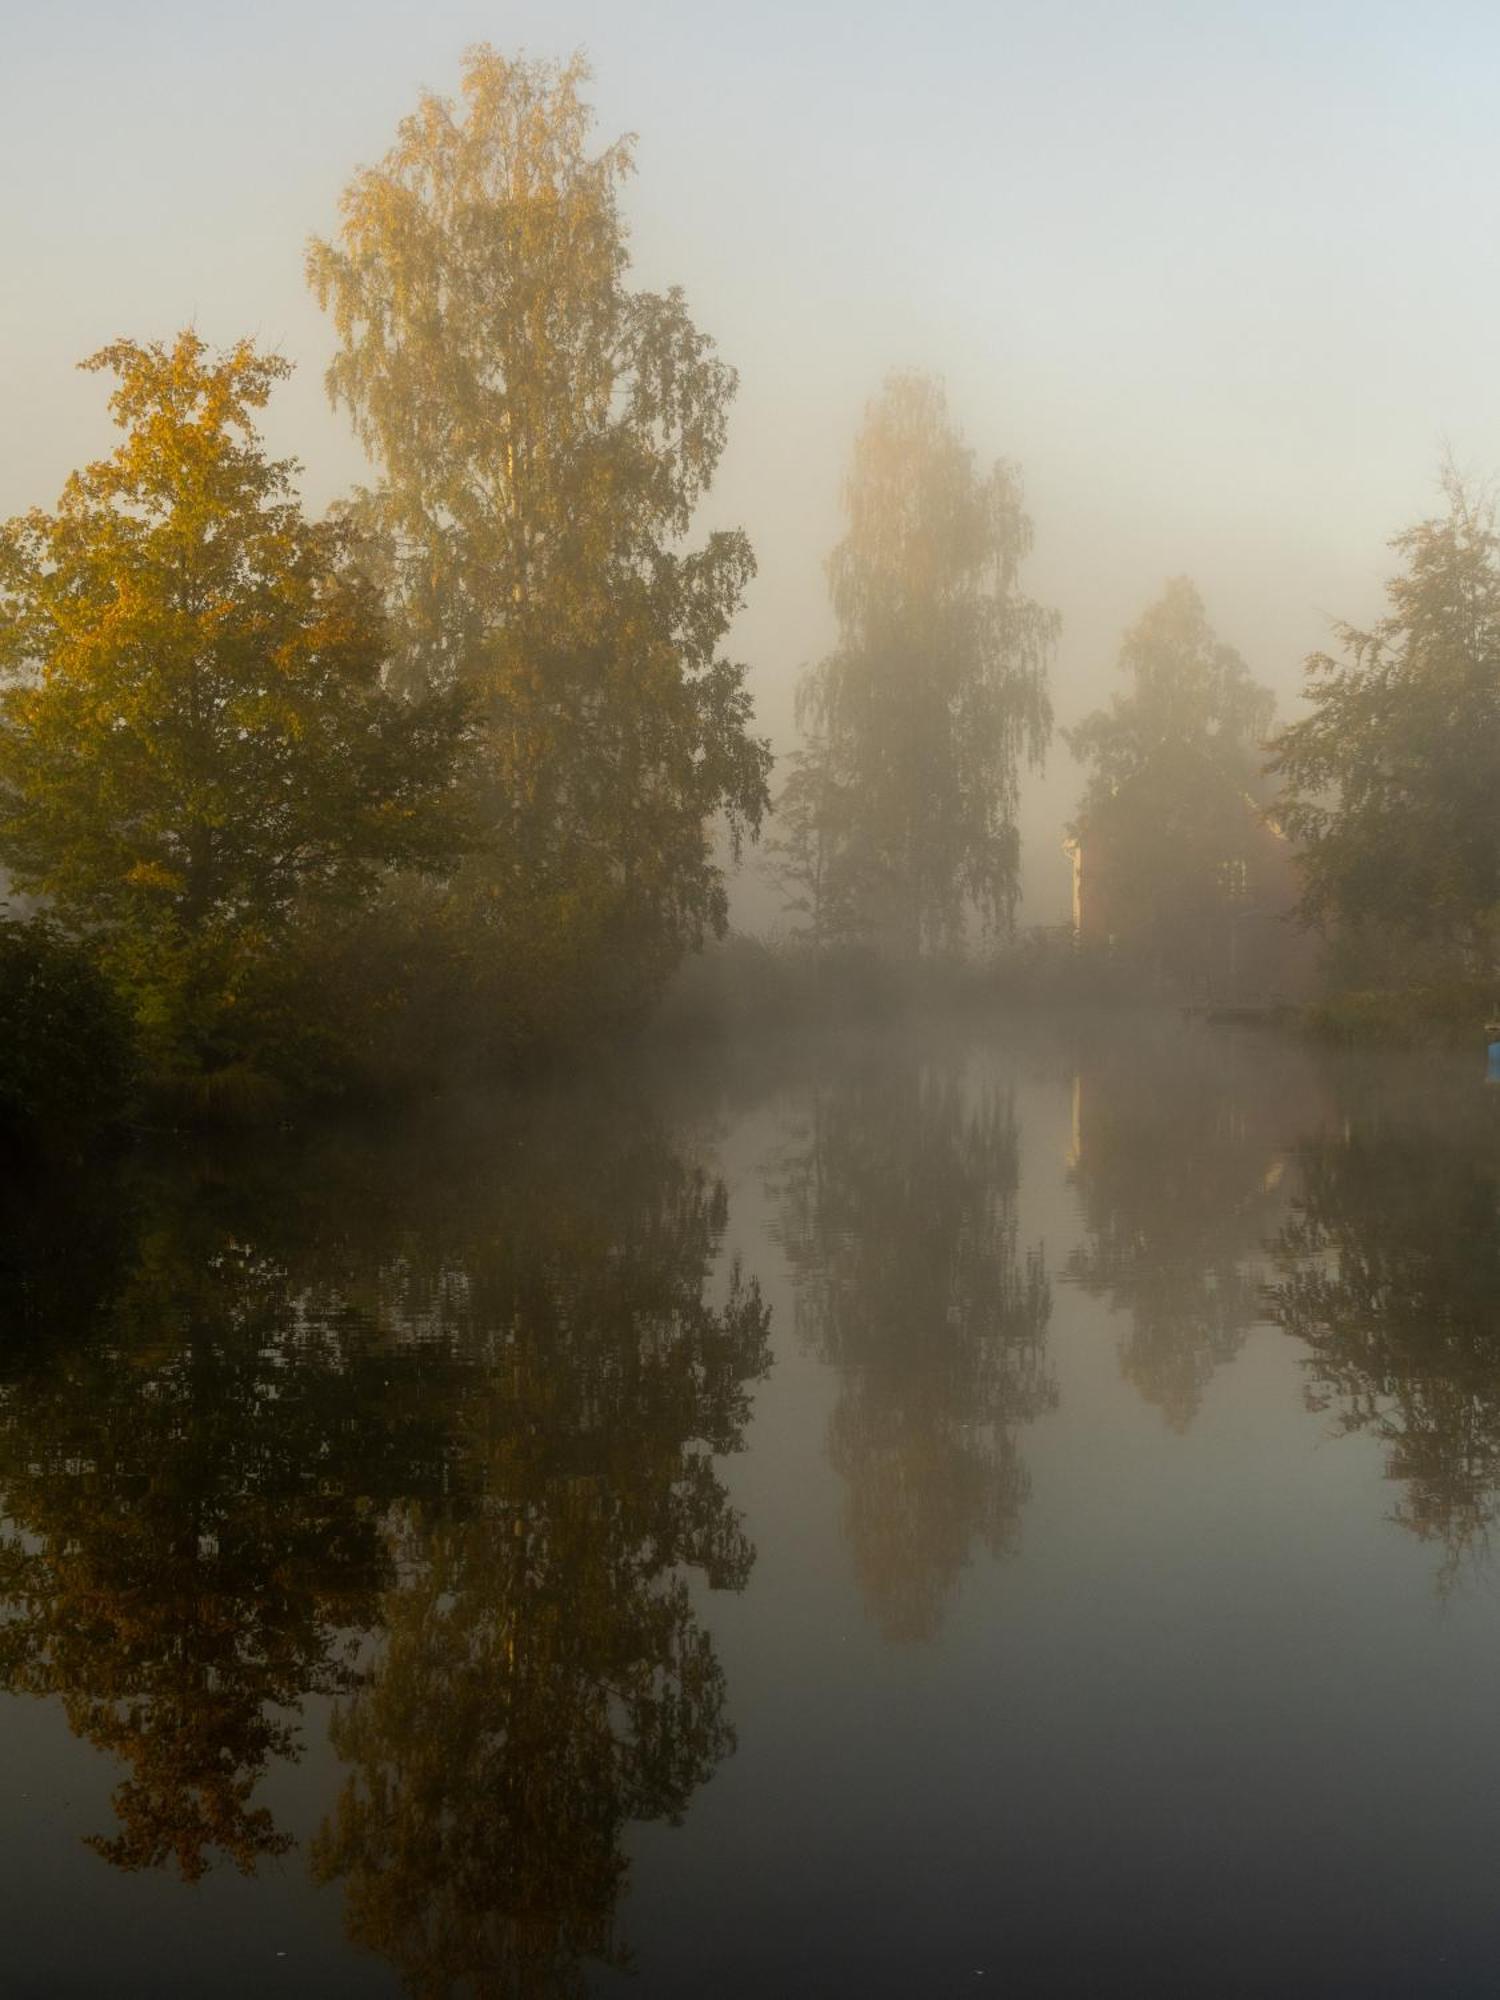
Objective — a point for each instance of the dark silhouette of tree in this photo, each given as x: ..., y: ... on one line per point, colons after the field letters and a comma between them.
x: 1389, y: 1273
x: 897, y: 1209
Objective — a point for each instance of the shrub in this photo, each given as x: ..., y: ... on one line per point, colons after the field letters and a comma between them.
x: 67, y: 1058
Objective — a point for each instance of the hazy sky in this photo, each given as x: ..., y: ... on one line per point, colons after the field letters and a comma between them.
x: 1223, y: 279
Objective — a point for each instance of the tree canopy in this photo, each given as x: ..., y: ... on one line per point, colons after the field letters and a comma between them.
x: 1170, y: 819
x: 543, y: 436
x: 195, y: 745
x: 1389, y: 780
x: 901, y: 815
x: 1191, y: 700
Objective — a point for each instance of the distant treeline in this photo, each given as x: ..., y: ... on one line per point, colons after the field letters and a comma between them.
x: 292, y: 806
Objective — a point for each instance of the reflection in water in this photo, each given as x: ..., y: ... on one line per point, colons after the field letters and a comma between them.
x: 545, y: 1679
x: 1389, y: 1271
x: 469, y: 1409
x: 187, y: 1469
x: 1178, y: 1162
x: 897, y: 1206
x: 424, y: 1434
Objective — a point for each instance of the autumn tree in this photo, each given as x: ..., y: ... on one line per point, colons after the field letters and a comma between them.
x: 1390, y: 779
x: 919, y: 721
x: 196, y: 752
x: 542, y: 435
x: 1170, y: 827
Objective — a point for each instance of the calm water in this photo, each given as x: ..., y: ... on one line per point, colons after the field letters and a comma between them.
x: 927, y: 1517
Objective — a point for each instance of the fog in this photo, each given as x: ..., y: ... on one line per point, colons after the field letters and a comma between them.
x: 889, y: 1411
x: 1216, y: 279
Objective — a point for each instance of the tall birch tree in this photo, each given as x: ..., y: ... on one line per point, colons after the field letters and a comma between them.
x: 543, y: 435
x: 923, y: 715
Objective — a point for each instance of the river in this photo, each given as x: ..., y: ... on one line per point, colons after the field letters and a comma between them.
x: 933, y: 1513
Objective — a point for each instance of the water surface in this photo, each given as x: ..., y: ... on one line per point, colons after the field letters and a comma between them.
x: 927, y: 1515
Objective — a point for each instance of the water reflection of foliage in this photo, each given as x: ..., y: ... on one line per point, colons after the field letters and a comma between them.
x: 897, y: 1206
x: 1389, y: 1273
x: 545, y: 1678
x: 469, y: 1390
x: 190, y: 1476
x: 1178, y: 1163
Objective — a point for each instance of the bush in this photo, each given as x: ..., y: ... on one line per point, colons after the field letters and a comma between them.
x: 1453, y: 1012
x: 67, y: 1057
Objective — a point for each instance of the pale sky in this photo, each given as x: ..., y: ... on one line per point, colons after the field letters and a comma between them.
x: 1223, y: 279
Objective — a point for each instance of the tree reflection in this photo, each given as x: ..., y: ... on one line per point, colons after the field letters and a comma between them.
x: 430, y: 1428
x: 1179, y: 1159
x: 897, y: 1210
x: 1389, y: 1272
x: 545, y: 1678
x: 192, y: 1477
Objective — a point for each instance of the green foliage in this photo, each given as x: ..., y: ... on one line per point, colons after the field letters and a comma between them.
x: 1390, y: 781
x: 67, y: 1061
x: 1169, y: 826
x: 544, y: 436
x: 197, y: 757
x: 900, y: 813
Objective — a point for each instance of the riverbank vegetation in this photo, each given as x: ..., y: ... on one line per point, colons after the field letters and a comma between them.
x: 1388, y: 786
x: 447, y: 775
x: 449, y: 780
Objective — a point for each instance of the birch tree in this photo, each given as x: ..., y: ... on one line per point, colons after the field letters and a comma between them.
x: 542, y: 436
x: 937, y: 691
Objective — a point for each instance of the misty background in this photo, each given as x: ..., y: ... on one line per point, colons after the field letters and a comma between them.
x: 1221, y: 279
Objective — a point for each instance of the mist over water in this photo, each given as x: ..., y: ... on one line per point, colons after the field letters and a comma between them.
x: 749, y: 931
x: 939, y: 1506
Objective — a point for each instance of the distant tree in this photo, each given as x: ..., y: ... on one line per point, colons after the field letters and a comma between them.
x: 810, y: 852
x: 544, y: 435
x: 919, y: 720
x: 1170, y: 819
x: 1390, y: 781
x: 195, y: 747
